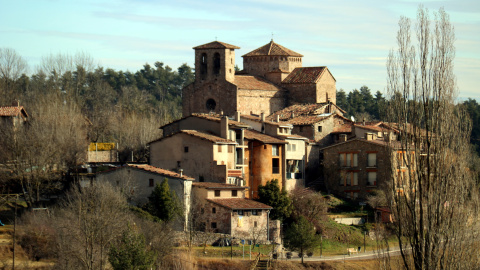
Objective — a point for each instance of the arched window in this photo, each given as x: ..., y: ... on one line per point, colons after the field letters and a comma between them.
x: 216, y: 63
x: 203, y: 66
x: 211, y: 104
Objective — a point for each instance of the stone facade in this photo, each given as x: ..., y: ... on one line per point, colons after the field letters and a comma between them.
x: 356, y: 167
x: 265, y: 85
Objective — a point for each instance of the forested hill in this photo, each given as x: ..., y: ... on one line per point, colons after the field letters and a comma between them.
x: 122, y: 107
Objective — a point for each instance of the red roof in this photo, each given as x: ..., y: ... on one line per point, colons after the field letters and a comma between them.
x: 250, y: 82
x: 152, y: 169
x: 212, y: 185
x: 307, y: 120
x: 346, y: 128
x: 305, y: 75
x: 217, y: 118
x: 216, y: 45
x: 303, y: 109
x: 239, y: 203
x: 258, y: 119
x: 250, y: 134
x: 206, y: 136
x: 273, y: 48
x: 12, y: 111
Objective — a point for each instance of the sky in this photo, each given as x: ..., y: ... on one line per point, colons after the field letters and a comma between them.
x: 352, y: 38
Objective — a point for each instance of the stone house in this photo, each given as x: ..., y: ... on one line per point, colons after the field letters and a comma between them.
x: 295, y: 148
x: 13, y: 116
x: 224, y: 208
x: 356, y: 167
x: 137, y: 181
x: 273, y: 78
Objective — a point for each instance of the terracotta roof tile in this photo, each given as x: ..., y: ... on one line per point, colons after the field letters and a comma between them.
x: 216, y: 45
x: 212, y: 185
x: 304, y: 110
x: 307, y: 120
x: 250, y: 82
x: 250, y: 134
x: 218, y: 118
x: 305, y: 75
x: 12, y: 111
x: 152, y: 169
x: 346, y: 128
x: 206, y: 136
x: 273, y: 48
x: 269, y: 122
x: 240, y: 203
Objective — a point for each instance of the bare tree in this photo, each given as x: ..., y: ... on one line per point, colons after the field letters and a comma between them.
x: 433, y: 195
x: 12, y: 66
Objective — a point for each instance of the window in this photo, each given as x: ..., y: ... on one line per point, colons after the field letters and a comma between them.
x: 185, y: 149
x: 349, y: 179
x: 179, y: 164
x: 214, y: 210
x: 301, y: 128
x: 294, y: 169
x: 319, y: 128
x: 348, y: 159
x: 372, y: 159
x: 217, y: 193
x: 211, y: 104
x: 219, y: 148
x: 234, y: 193
x: 213, y: 225
x: 275, y: 165
x: 255, y: 224
x: 216, y: 63
x: 203, y: 66
x: 150, y: 182
x: 372, y: 178
x: 240, y: 212
x: 275, y: 150
x: 230, y: 148
x: 289, y: 147
x: 255, y: 212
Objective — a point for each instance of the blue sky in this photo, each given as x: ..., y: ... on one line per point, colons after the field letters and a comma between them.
x: 351, y: 37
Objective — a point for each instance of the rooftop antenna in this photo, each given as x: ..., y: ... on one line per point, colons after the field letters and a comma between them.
x: 272, y: 36
x: 215, y: 38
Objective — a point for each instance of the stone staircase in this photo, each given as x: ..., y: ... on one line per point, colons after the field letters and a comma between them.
x: 262, y: 264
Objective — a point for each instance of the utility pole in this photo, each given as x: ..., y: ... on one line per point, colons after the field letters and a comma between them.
x: 14, y: 231
x: 364, y: 234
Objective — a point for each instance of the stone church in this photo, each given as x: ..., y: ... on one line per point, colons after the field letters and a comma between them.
x: 272, y: 79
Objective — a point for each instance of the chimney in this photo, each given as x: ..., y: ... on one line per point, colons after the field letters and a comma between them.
x: 363, y: 121
x: 278, y: 118
x: 237, y: 116
x: 293, y: 115
x: 224, y: 127
x: 181, y: 172
x: 262, y: 117
x: 342, y: 137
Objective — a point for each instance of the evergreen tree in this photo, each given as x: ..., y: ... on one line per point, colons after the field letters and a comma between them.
x: 163, y: 203
x: 342, y: 100
x: 300, y: 236
x: 271, y: 195
x: 131, y: 252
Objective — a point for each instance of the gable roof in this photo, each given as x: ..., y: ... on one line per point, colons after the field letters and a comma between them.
x: 216, y: 45
x: 212, y: 185
x: 151, y: 169
x: 240, y: 203
x: 199, y: 134
x: 255, y: 118
x: 210, y: 117
x: 251, y: 134
x: 10, y: 111
x: 302, y: 110
x: 251, y: 82
x: 272, y: 48
x: 306, y: 75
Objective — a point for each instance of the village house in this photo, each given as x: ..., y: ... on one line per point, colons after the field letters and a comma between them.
x: 137, y: 181
x: 12, y: 116
x: 223, y: 150
x: 224, y: 208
